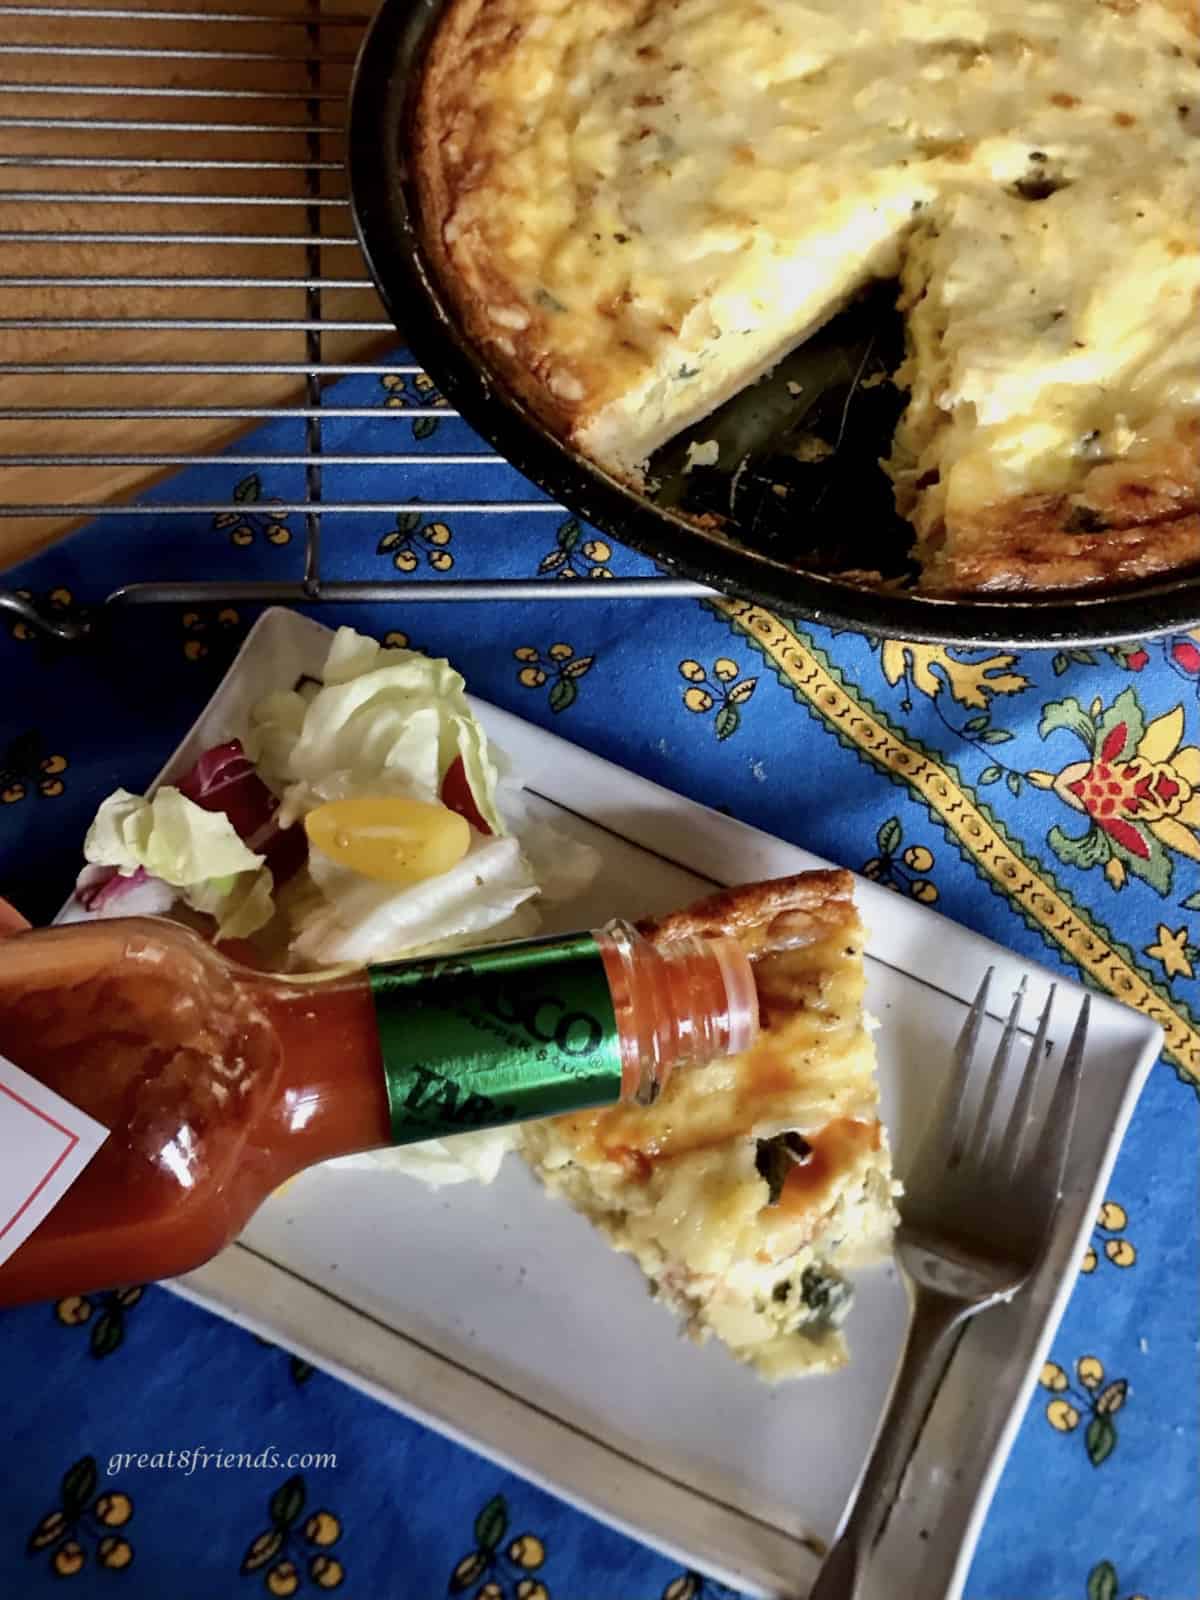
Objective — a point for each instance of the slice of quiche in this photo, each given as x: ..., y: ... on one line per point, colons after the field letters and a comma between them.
x: 749, y: 1186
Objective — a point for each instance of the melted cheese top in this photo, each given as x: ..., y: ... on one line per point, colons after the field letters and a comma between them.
x: 664, y: 195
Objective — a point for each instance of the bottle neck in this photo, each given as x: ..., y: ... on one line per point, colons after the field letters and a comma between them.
x: 678, y: 1005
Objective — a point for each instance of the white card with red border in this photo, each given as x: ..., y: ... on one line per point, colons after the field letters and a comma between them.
x: 45, y: 1143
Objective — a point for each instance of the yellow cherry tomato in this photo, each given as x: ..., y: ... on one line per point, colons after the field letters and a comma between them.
x: 389, y: 838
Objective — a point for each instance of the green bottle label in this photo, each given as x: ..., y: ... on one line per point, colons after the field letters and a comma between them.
x: 496, y: 1036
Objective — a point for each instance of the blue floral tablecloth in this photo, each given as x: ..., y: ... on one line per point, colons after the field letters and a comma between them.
x: 1050, y: 800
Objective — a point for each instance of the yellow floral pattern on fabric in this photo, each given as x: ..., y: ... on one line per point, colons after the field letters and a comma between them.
x: 410, y: 539
x: 575, y: 556
x: 199, y: 628
x: 1111, y: 1221
x: 1004, y: 861
x: 933, y: 667
x: 414, y: 392
x: 900, y: 868
x: 107, y: 1332
x: 502, y: 1567
x: 291, y: 1549
x: 80, y: 1527
x: 725, y: 693
x: 26, y: 769
x: 255, y: 519
x: 560, y: 667
x: 58, y: 604
x: 692, y: 1585
x: 1174, y: 951
x: 973, y: 684
x: 1099, y: 1400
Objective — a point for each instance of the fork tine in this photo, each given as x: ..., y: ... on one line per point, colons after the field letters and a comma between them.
x: 1018, y: 1121
x: 949, y: 1132
x: 1051, y: 1150
x: 981, y: 1134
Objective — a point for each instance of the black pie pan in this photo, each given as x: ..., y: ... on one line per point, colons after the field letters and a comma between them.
x: 803, y: 500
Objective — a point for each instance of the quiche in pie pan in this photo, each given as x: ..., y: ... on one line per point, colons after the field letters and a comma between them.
x: 885, y: 312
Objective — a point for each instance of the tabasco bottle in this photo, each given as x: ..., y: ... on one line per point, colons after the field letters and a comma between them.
x: 153, y: 1093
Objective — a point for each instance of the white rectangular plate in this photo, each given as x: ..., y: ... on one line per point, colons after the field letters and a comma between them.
x: 501, y: 1318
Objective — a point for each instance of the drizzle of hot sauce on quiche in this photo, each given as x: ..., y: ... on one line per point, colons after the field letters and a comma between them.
x: 834, y: 1149
x: 624, y: 1134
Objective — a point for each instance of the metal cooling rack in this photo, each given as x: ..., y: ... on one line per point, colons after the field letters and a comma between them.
x: 172, y: 197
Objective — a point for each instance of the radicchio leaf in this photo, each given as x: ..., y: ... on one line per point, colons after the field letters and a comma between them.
x: 224, y: 779
x: 105, y: 892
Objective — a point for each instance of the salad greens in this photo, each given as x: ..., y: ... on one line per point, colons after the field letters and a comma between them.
x: 386, y: 721
x: 196, y: 852
x: 383, y: 721
x: 170, y: 836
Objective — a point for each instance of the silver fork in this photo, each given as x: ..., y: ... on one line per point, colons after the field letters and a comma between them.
x: 975, y: 1219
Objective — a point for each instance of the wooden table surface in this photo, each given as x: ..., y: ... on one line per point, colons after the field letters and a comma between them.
x: 106, y: 213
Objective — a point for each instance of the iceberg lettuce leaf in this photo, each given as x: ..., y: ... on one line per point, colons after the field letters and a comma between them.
x: 241, y: 904
x: 384, y: 721
x: 361, y: 920
x: 464, y: 1158
x: 196, y: 852
x: 170, y: 836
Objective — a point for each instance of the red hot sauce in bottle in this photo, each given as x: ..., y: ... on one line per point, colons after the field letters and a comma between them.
x: 216, y: 1082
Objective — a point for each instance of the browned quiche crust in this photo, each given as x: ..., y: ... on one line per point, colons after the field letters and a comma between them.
x: 453, y: 155
x: 1130, y: 520
x: 779, y: 913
